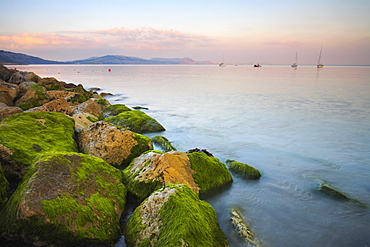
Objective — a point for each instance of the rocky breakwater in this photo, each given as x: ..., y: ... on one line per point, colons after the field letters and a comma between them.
x: 62, y: 151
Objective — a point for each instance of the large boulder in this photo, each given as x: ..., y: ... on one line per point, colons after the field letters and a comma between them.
x: 6, y: 90
x: 6, y: 110
x: 89, y: 106
x: 58, y: 105
x: 174, y: 216
x: 244, y: 170
x: 115, y: 146
x: 50, y: 83
x: 5, y: 73
x: 21, y: 76
x: 66, y: 199
x: 28, y: 134
x: 136, y: 121
x: 153, y: 170
x: 35, y: 96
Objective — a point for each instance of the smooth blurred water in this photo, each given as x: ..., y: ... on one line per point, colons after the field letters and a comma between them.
x: 300, y: 128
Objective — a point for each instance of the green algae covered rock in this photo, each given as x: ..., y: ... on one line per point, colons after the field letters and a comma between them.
x: 3, y: 186
x: 153, y: 170
x: 163, y: 143
x: 174, y: 216
x: 245, y: 170
x: 28, y: 134
x: 66, y: 199
x: 136, y: 121
x: 35, y: 96
x: 116, y: 109
x: 211, y: 173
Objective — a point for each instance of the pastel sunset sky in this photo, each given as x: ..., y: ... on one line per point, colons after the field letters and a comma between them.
x: 241, y: 31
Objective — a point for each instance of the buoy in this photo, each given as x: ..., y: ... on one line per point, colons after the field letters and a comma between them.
x: 109, y: 70
x: 15, y: 68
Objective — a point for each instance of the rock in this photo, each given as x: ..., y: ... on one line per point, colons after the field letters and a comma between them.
x: 81, y: 94
x: 28, y: 134
x: 114, y: 110
x: 245, y: 170
x: 140, y: 108
x: 328, y: 190
x: 115, y: 146
x: 242, y: 228
x: 163, y: 143
x: 51, y: 83
x: 6, y: 98
x: 5, y: 73
x: 103, y: 103
x: 8, y: 110
x: 52, y: 95
x: 11, y: 89
x: 69, y: 85
x: 200, y: 151
x: 58, y: 105
x: 136, y: 121
x: 153, y: 170
x: 66, y: 198
x: 21, y: 76
x: 83, y: 120
x: 105, y: 94
x: 174, y: 216
x: 90, y: 106
x: 4, y: 185
x: 34, y: 97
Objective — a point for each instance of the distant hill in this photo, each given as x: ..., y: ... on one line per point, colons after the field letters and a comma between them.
x: 7, y: 57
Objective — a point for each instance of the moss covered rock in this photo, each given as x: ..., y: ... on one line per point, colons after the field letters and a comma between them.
x: 3, y: 186
x: 245, y: 170
x: 154, y: 169
x: 66, y: 199
x: 242, y: 228
x: 81, y: 94
x: 50, y: 83
x: 28, y: 134
x: 163, y: 143
x: 115, y: 146
x: 211, y: 173
x: 115, y: 109
x: 136, y: 121
x: 174, y: 216
x: 35, y: 96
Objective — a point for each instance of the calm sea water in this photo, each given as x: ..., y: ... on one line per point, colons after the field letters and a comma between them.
x: 300, y: 128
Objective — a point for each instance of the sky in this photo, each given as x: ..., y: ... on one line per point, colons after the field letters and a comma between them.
x: 236, y: 31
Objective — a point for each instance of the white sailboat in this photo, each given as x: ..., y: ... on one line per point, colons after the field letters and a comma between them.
x: 223, y: 64
x: 295, y: 65
x: 319, y: 63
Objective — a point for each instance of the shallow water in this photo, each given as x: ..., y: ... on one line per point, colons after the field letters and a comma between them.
x: 300, y: 128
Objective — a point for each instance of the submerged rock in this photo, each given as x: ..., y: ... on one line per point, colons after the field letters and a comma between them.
x: 245, y: 170
x: 153, y: 170
x: 330, y: 191
x: 66, y: 198
x: 163, y: 143
x: 28, y: 134
x: 242, y: 228
x: 174, y: 216
x: 115, y: 146
x: 136, y: 121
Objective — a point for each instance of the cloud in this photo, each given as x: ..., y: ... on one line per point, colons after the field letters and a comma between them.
x: 48, y: 41
x: 290, y: 43
x: 122, y: 39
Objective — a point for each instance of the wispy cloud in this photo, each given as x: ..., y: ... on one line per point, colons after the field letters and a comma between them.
x: 146, y: 38
x: 291, y: 43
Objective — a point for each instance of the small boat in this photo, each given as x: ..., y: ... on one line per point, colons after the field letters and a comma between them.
x: 222, y: 65
x: 257, y: 65
x: 295, y: 65
x: 319, y: 63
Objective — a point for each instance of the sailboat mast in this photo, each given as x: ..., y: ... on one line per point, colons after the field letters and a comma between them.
x: 318, y: 61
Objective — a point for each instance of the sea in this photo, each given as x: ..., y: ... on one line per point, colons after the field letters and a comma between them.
x: 299, y: 127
